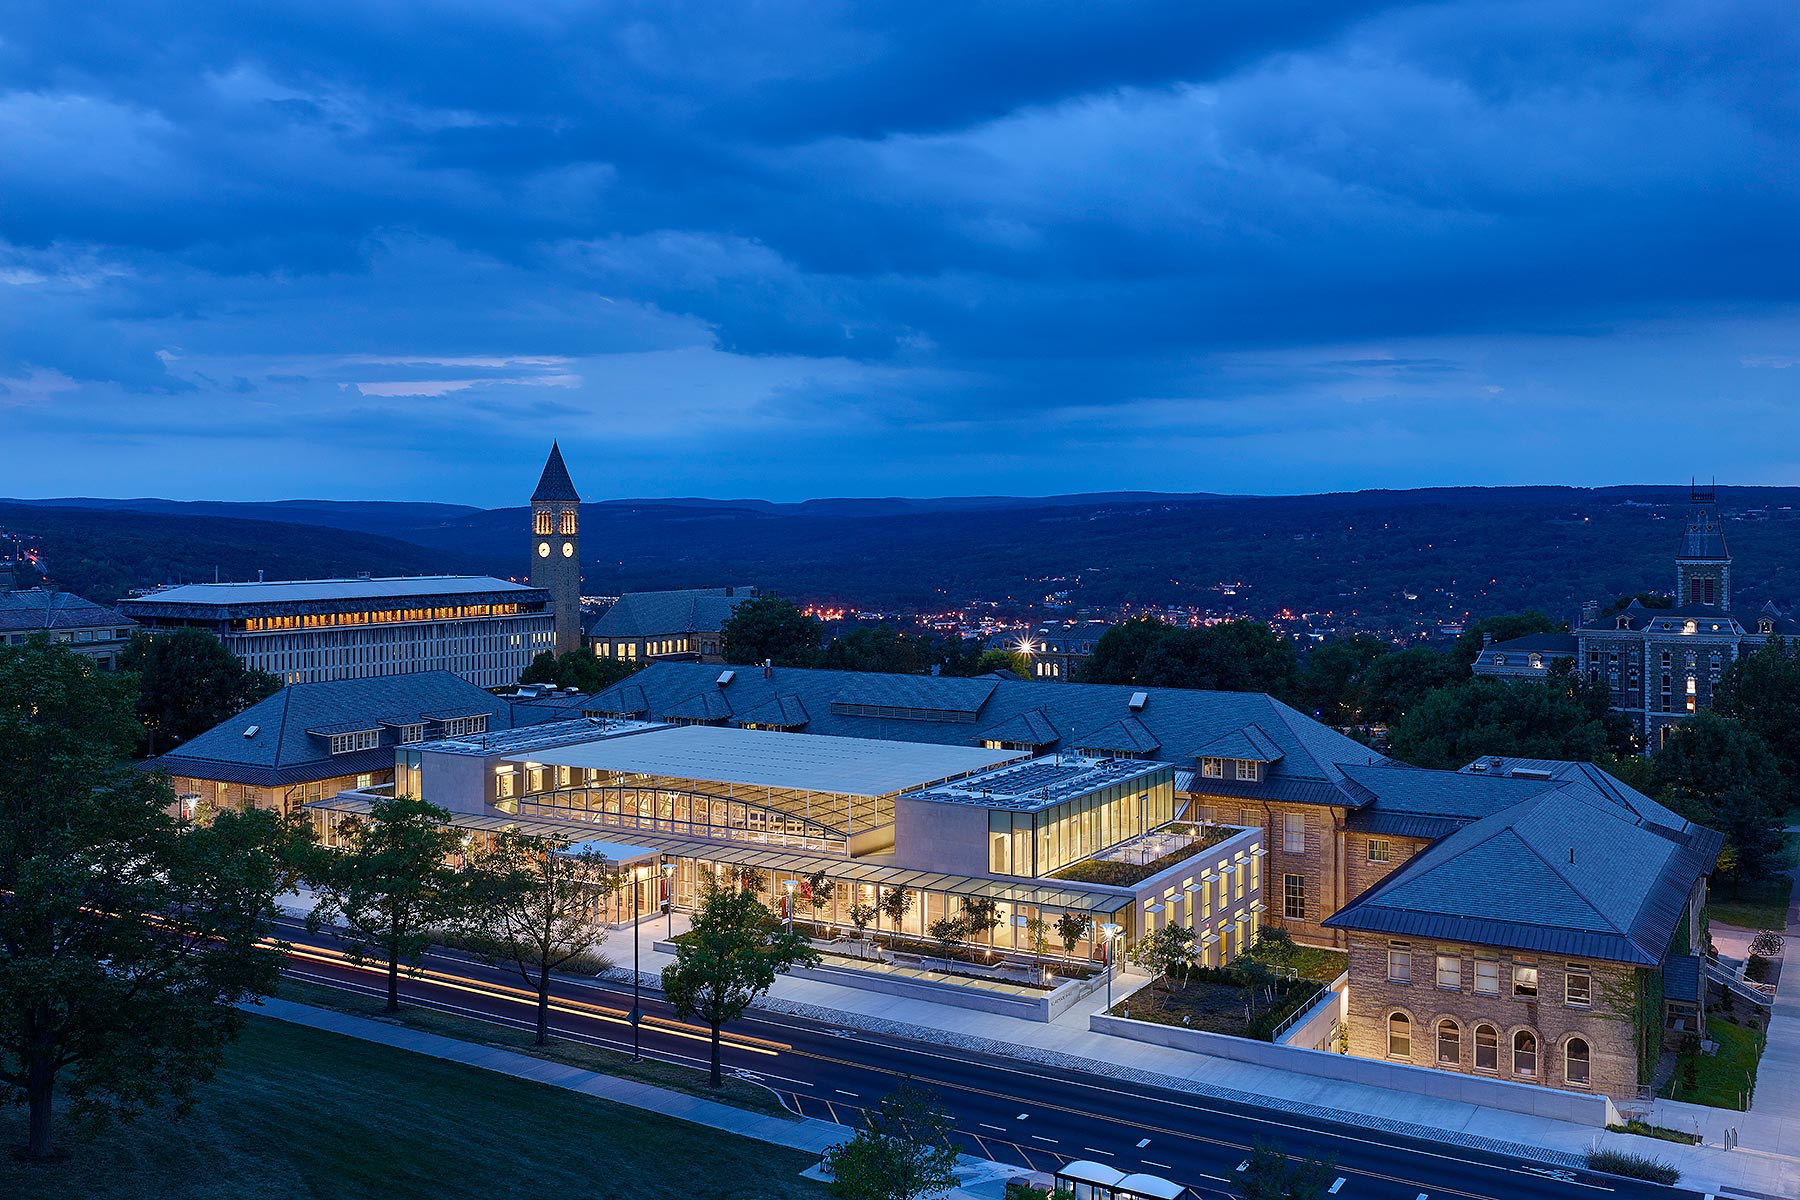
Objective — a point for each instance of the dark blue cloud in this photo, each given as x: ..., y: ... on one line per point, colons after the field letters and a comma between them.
x: 764, y: 240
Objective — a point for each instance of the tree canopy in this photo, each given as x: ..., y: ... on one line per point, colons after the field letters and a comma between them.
x: 903, y: 1151
x: 879, y: 648
x: 1233, y: 656
x: 728, y: 958
x: 390, y: 884
x: 1762, y: 691
x: 580, y: 669
x: 1715, y: 771
x: 126, y: 939
x: 1332, y: 687
x: 1559, y: 718
x: 1504, y: 627
x: 187, y: 683
x: 769, y: 627
x: 1394, y: 683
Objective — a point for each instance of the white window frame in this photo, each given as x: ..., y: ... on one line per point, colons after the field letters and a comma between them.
x: 1379, y: 850
x: 1586, y: 977
x: 1449, y: 972
x: 1522, y: 990
x: 1399, y: 964
x: 1293, y: 833
x: 1248, y: 770
x: 1490, y: 969
x: 1212, y: 768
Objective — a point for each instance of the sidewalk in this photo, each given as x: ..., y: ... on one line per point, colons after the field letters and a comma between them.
x: 1767, y: 1160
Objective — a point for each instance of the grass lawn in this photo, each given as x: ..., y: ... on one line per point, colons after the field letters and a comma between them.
x: 1759, y: 905
x: 1312, y: 962
x: 1203, y: 1004
x: 1723, y: 1077
x: 577, y: 1054
x: 299, y: 1114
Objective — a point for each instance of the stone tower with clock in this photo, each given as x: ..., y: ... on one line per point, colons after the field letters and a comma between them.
x: 555, y: 548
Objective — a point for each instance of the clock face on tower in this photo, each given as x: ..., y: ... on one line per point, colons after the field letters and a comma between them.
x: 568, y: 549
x: 543, y: 549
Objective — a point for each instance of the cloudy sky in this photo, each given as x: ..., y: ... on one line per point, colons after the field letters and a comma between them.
x: 385, y: 249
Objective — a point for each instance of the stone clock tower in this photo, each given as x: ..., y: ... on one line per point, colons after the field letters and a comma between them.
x: 555, y: 549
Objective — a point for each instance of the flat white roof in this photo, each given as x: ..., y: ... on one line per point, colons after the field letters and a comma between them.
x: 328, y: 589
x: 618, y: 852
x: 762, y: 758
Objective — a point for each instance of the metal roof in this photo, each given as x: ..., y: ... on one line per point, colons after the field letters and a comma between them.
x: 41, y: 608
x: 665, y: 614
x: 1248, y: 743
x: 405, y: 587
x: 763, y: 758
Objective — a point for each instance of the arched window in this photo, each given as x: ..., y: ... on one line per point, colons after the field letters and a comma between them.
x: 1449, y: 1039
x: 567, y: 526
x: 1487, y: 1048
x: 540, y: 523
x: 1576, y: 1062
x: 1525, y: 1053
x: 1399, y: 1036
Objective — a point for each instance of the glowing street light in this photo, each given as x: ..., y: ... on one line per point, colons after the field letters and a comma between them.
x: 668, y: 900
x: 1108, y: 932
x: 789, y: 885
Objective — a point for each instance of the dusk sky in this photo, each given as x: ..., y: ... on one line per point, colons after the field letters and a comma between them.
x: 389, y: 250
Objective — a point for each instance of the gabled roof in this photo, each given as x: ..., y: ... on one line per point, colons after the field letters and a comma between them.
x: 785, y: 712
x: 701, y: 706
x: 1127, y: 735
x: 1029, y: 728
x: 1560, y: 644
x: 41, y: 608
x: 949, y: 711
x: 1704, y: 537
x: 554, y: 483
x: 663, y: 614
x: 1248, y: 743
x: 1563, y: 872
x: 290, y: 743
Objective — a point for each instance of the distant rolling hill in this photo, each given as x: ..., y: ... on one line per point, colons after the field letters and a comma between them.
x: 1388, y: 559
x: 105, y: 554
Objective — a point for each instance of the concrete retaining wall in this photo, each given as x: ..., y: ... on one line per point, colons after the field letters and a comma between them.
x: 1046, y: 1007
x: 1597, y: 1111
x: 1313, y: 1031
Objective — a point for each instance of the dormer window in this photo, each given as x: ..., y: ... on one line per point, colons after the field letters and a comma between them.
x: 1212, y: 768
x: 1248, y: 770
x: 1624, y: 622
x: 412, y: 733
x: 464, y: 726
x: 1537, y: 662
x: 361, y: 739
x: 1499, y: 660
x: 1689, y: 627
x: 1765, y: 626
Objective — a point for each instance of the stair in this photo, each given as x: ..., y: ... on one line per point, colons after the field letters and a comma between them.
x: 1760, y: 994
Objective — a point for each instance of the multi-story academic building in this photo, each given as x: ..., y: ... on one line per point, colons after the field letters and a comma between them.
x: 681, y: 626
x: 480, y: 629
x: 89, y: 629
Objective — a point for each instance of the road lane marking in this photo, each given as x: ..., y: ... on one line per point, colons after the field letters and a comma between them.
x: 1038, y: 1137
x: 1143, y: 1143
x: 1092, y: 1150
x: 842, y: 1092
x: 1335, y: 1186
x: 1167, y: 1167
x: 985, y: 1125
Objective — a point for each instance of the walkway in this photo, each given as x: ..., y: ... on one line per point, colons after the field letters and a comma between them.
x: 1767, y: 1162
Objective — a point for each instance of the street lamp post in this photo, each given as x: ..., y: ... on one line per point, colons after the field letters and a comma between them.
x: 637, y: 1010
x: 789, y: 885
x: 1108, y: 932
x: 668, y: 901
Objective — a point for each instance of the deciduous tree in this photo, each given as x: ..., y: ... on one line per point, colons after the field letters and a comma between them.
x: 391, y: 884
x: 188, y: 682
x: 539, y: 907
x: 1271, y: 1175
x: 126, y: 938
x: 768, y: 627
x: 728, y: 959
x: 1718, y: 773
x: 1560, y: 718
x: 903, y: 1152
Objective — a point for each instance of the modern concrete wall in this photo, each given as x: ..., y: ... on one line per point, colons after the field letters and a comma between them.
x: 457, y: 782
x: 1313, y: 1031
x: 1597, y: 1111
x: 932, y: 836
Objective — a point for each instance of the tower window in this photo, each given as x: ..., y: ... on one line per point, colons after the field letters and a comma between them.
x: 540, y: 523
x: 568, y: 523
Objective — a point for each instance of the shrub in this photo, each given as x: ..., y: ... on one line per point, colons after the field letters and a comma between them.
x: 1634, y: 1166
x: 1757, y: 969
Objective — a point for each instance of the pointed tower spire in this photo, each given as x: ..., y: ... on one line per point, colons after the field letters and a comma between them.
x: 554, y: 483
x: 1703, y: 564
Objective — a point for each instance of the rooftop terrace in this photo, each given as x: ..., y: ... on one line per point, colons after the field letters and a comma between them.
x: 1042, y: 782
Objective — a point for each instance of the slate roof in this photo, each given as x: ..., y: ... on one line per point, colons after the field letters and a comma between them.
x: 663, y: 614
x: 787, y: 712
x: 1124, y: 736
x: 292, y: 725
x: 41, y: 608
x: 951, y: 711
x: 1029, y: 728
x: 1248, y: 743
x: 554, y: 483
x: 1681, y: 978
x: 1563, y: 872
x: 1562, y: 645
x: 1704, y: 537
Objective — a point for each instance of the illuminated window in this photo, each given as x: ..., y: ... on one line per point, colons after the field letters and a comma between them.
x: 567, y: 527
x: 1487, y: 1048
x: 1525, y: 980
x: 1525, y: 1053
x: 1576, y: 1064
x: 1212, y: 768
x: 1399, y: 1036
x: 541, y: 523
x: 1449, y: 1044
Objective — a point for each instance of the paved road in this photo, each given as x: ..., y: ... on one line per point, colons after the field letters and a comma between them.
x: 1006, y: 1110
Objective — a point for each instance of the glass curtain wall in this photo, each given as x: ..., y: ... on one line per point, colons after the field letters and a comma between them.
x: 1029, y: 844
